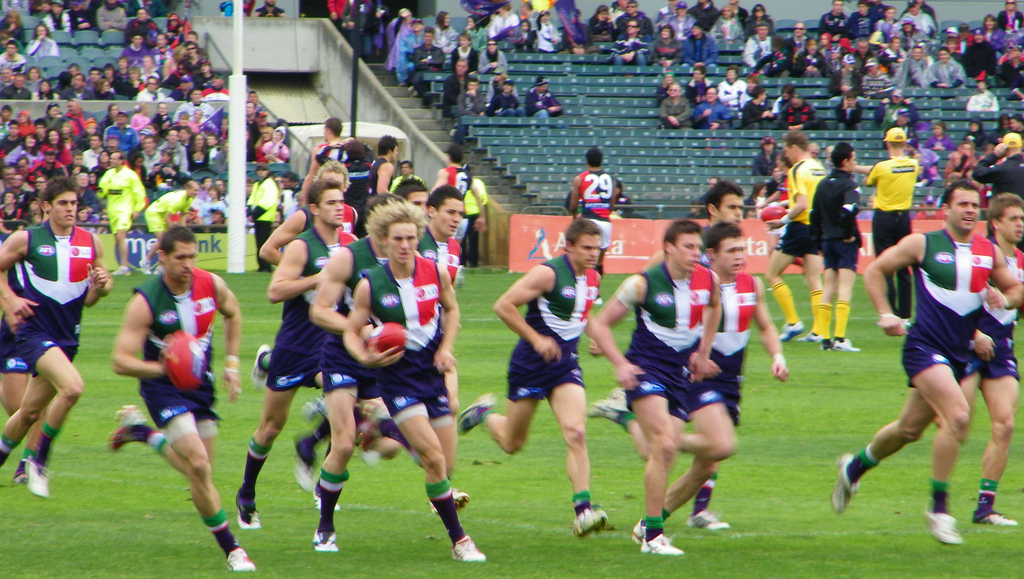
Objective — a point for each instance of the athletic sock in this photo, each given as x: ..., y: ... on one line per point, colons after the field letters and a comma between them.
x: 665, y: 514
x: 861, y: 464
x: 655, y: 526
x: 7, y: 446
x: 264, y: 361
x: 815, y: 302
x: 784, y: 297
x: 940, y: 491
x: 388, y: 429
x: 157, y: 441
x: 581, y: 501
x: 624, y: 418
x: 842, y: 317
x: 987, y: 496
x: 330, y: 489
x: 823, y: 319
x: 440, y: 495
x: 323, y: 431
x: 700, y: 502
x: 45, y: 440
x: 254, y: 461
x: 218, y: 525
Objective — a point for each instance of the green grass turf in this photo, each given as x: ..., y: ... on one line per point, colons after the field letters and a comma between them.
x: 129, y: 515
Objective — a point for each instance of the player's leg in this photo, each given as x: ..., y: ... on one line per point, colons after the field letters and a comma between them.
x: 451, y: 383
x: 1001, y: 396
x: 334, y: 470
x: 813, y: 267
x: 120, y: 225
x: 652, y: 413
x: 713, y: 441
x: 12, y: 391
x: 777, y: 263
x: 56, y: 368
x: 823, y: 313
x: 847, y: 279
x: 276, y: 405
x: 132, y: 427
x: 38, y: 395
x: 614, y: 408
x: 569, y: 405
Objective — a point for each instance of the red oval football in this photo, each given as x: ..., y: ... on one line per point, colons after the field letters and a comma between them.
x: 773, y: 212
x: 390, y: 335
x: 184, y: 360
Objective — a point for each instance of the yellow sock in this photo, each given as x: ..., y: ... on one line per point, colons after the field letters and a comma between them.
x: 784, y: 297
x: 822, y: 319
x: 842, y: 316
x: 815, y: 300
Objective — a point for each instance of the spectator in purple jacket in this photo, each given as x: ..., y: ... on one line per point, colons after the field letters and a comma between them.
x: 540, y: 102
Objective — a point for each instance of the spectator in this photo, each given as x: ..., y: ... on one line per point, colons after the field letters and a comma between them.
x: 993, y: 34
x: 127, y: 137
x: 939, y: 141
x: 216, y: 91
x: 198, y: 154
x: 983, y: 101
x: 891, y: 56
x: 445, y: 37
x: 886, y: 28
x: 667, y: 11
x: 471, y: 104
x: 845, y: 79
x: 887, y: 111
x: 667, y: 80
x: 111, y: 16
x: 194, y: 104
x: 961, y: 162
x: 766, y: 158
x: 426, y: 58
x: 732, y: 88
x: 150, y: 155
x: 705, y: 14
x: 862, y: 54
x: 492, y: 58
x: 796, y: 43
x: 17, y: 90
x: 666, y: 50
x: 834, y: 22
x: 397, y: 30
x: 979, y: 57
x: 913, y: 73
x: 929, y: 210
x: 810, y: 62
x: 849, y: 113
x: 81, y: 18
x: 712, y: 114
x: 977, y: 135
x: 860, y: 24
x: 45, y: 92
x: 645, y: 28
x: 787, y: 92
x: 631, y: 49
x: 55, y: 18
x: 739, y: 11
x: 502, y: 21
x: 674, y: 112
x: 728, y: 29
x: 454, y: 86
x: 404, y: 66
x: 540, y: 102
x: 11, y: 58
x: 875, y: 84
x: 903, y: 121
x: 1010, y: 20
x: 946, y: 72
x: 1009, y: 73
x: 681, y: 22
x: 151, y: 92
x: 1006, y: 176
x: 42, y: 45
x: 759, y: 15
x: 506, y: 103
x: 776, y: 64
x: 923, y: 22
x: 269, y: 10
x: 910, y: 35
x: 798, y: 114
x: 497, y: 83
x: 756, y: 114
x: 698, y: 85
x: 30, y: 149
x: 141, y: 118
x: 548, y: 38
x: 699, y: 48
x: 465, y: 52
x: 135, y: 51
x: 758, y: 46
x: 601, y: 27
x: 142, y: 25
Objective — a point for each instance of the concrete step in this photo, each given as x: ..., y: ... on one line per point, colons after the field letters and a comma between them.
x: 397, y: 91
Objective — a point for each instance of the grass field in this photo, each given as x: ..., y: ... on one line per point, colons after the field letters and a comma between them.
x: 129, y: 515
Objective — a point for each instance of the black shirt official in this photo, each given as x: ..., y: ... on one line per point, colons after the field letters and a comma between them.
x: 834, y: 211
x: 1008, y: 176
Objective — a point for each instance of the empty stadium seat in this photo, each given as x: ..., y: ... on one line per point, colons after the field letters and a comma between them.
x: 112, y: 38
x: 86, y: 37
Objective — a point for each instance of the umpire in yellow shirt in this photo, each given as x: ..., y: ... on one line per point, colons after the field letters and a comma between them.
x: 262, y: 206
x: 126, y: 197
x: 894, y: 181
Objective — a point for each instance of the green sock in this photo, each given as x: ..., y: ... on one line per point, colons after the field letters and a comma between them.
x: 439, y: 488
x: 580, y: 497
x: 939, y: 486
x: 867, y: 460
x: 258, y: 450
x: 626, y: 417
x: 28, y: 454
x: 264, y: 362
x: 50, y: 431
x: 216, y: 520
x: 989, y: 485
x: 665, y: 514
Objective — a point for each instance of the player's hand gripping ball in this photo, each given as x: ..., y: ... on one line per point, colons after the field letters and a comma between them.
x: 184, y: 360
x: 773, y: 212
x: 390, y: 335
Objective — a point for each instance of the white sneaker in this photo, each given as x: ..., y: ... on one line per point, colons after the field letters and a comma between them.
x: 612, y: 407
x: 259, y: 375
x: 316, y: 499
x: 305, y: 476
x: 325, y: 543
x: 460, y: 277
x: 660, y: 545
x: 790, y: 331
x: 997, y: 519
x: 589, y: 521
x: 640, y: 532
x: 843, y: 490
x: 147, y: 268
x: 314, y: 408
x: 811, y: 337
x: 844, y: 345
x: 706, y: 520
x: 248, y: 519
x: 38, y: 479
x: 238, y: 560
x: 465, y: 550
x: 461, y: 498
x: 943, y: 528
x: 129, y: 415
x: 123, y: 270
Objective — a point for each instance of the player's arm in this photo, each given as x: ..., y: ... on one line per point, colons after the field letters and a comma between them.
x: 1010, y: 291
x: 282, y: 236
x: 227, y: 305
x: 134, y: 331
x: 442, y: 179
x: 769, y: 335
x: 384, y: 174
x: 574, y: 196
x: 329, y: 289
x: 357, y: 318
x: 444, y: 359
x: 287, y: 281
x: 701, y: 364
x: 873, y: 174
x: 100, y: 282
x: 797, y: 205
x: 630, y: 294
x: 314, y: 166
x: 535, y: 283
x: 16, y: 308
x: 615, y: 198
x: 907, y: 252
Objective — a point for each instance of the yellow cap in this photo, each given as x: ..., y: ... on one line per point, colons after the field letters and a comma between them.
x: 896, y: 135
x: 1012, y: 140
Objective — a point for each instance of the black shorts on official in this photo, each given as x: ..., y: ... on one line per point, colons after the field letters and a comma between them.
x: 838, y: 254
x: 797, y: 240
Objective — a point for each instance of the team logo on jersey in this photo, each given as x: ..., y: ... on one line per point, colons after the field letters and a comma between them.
x: 569, y: 292
x: 402, y: 401
x: 346, y: 227
x: 453, y: 260
x: 430, y: 254
x: 700, y: 297
x: 748, y: 299
x: 46, y: 250
x: 337, y: 379
x: 984, y: 261
x: 710, y: 397
x: 286, y: 381
x: 939, y: 359
x: 592, y: 293
x: 203, y: 306
x: 320, y: 262
x: 390, y: 300
x: 664, y: 299
x: 427, y: 292
x: 167, y: 317
x: 81, y: 252
x: 17, y: 364
x: 646, y: 386
x: 528, y: 392
x: 944, y: 257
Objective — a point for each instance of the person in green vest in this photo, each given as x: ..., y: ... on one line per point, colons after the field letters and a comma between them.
x: 159, y: 215
x: 126, y: 197
x: 262, y: 206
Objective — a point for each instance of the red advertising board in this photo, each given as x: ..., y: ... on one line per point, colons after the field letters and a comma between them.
x: 536, y: 238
